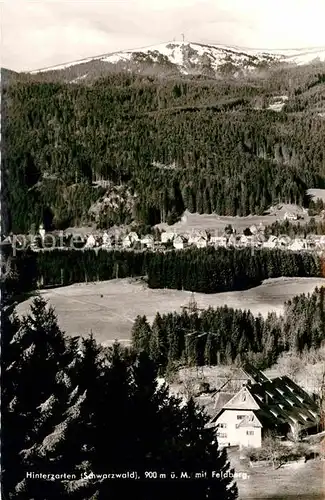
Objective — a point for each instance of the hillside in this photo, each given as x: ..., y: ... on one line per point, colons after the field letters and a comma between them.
x: 133, y: 146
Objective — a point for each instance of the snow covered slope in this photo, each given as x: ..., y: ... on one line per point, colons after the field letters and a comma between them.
x: 191, y: 58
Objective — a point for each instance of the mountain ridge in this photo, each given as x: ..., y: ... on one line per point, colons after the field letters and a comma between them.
x: 189, y: 57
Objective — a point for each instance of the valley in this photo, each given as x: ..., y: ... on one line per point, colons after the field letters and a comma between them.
x: 181, y: 166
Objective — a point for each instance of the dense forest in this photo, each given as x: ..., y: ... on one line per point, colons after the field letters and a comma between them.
x: 225, y: 335
x: 207, y: 270
x: 131, y: 147
x: 303, y: 230
x: 66, y: 405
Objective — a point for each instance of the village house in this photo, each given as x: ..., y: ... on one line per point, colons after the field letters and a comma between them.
x: 258, y: 240
x: 245, y: 240
x: 107, y: 240
x: 297, y: 245
x: 284, y: 242
x: 218, y: 241
x: 130, y: 239
x: 127, y: 242
x: 179, y: 242
x: 271, y: 242
x: 91, y: 241
x: 278, y: 405
x: 290, y: 216
x: 133, y: 236
x: 167, y: 236
x: 197, y: 235
x: 201, y: 242
x: 232, y: 240
x: 321, y: 242
x: 148, y: 241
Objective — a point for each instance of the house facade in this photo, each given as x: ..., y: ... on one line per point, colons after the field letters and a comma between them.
x: 91, y: 241
x: 148, y: 241
x: 236, y: 423
x: 179, y: 242
x: 290, y: 216
x: 201, y: 243
x: 167, y: 236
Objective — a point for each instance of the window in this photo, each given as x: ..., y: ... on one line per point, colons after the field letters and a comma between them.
x: 223, y: 426
x: 250, y: 433
x: 240, y: 417
x: 221, y: 434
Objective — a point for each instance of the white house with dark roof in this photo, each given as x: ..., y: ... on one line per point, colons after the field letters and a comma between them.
x: 201, y: 242
x: 167, y: 236
x: 236, y: 421
x: 179, y: 242
x: 277, y: 405
x: 130, y: 239
x: 148, y: 241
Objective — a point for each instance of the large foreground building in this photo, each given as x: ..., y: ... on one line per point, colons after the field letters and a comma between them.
x: 261, y: 406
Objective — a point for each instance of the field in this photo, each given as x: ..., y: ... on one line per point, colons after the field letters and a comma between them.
x: 296, y: 481
x: 317, y: 193
x: 213, y: 222
x: 109, y: 308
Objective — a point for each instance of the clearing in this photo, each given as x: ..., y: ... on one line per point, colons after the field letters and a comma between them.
x: 317, y: 194
x: 214, y: 222
x: 108, y: 308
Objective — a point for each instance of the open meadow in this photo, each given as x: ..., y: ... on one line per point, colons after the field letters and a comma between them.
x: 108, y: 308
x: 217, y: 223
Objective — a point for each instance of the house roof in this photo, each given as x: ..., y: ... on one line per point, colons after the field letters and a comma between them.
x: 221, y: 399
x: 243, y: 400
x: 179, y: 238
x: 274, y: 402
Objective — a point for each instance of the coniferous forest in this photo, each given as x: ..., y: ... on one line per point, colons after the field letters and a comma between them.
x: 72, y: 407
x: 206, y: 270
x: 225, y: 335
x: 161, y: 145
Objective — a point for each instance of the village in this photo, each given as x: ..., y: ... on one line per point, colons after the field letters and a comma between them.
x: 253, y: 236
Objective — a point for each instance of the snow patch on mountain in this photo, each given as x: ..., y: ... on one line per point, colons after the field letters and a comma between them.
x: 189, y: 57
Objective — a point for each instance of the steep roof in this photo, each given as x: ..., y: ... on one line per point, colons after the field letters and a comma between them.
x: 243, y: 400
x: 221, y: 399
x: 275, y: 402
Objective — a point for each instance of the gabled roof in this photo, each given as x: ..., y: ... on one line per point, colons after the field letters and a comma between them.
x: 221, y: 399
x: 283, y: 401
x: 243, y: 400
x: 179, y: 239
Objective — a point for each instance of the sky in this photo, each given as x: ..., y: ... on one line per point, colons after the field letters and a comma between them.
x: 37, y: 34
